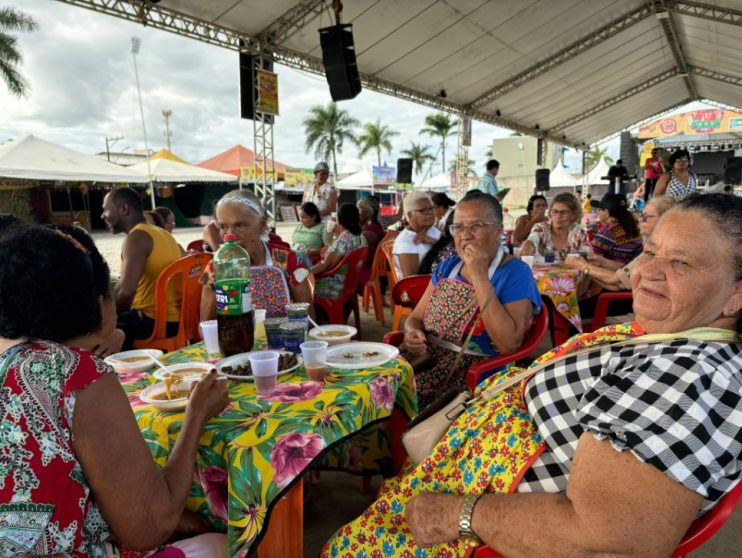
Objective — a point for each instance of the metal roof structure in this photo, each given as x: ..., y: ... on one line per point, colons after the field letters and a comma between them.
x: 570, y: 71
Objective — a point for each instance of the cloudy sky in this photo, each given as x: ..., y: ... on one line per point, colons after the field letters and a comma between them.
x: 82, y: 88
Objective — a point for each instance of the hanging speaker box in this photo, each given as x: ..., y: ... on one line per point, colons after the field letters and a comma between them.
x: 339, y: 59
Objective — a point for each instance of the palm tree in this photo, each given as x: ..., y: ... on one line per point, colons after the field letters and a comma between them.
x: 419, y: 155
x: 376, y: 136
x: 443, y: 126
x: 469, y: 167
x: 10, y: 56
x: 326, y: 130
x: 594, y: 156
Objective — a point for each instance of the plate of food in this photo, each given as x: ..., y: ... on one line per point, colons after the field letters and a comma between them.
x: 168, y: 395
x: 237, y: 367
x: 360, y: 355
x: 129, y: 362
x: 334, y: 334
x: 185, y: 371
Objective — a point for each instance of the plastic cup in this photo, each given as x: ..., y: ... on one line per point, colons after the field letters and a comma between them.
x: 273, y: 332
x: 299, y: 312
x: 210, y: 333
x: 292, y: 334
x: 264, y: 366
x: 315, y: 359
x: 528, y: 260
x: 549, y: 257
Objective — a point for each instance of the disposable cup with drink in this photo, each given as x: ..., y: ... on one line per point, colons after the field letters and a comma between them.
x: 315, y: 359
x: 549, y: 256
x: 210, y: 334
x: 528, y: 260
x: 292, y: 334
x: 259, y: 323
x: 298, y: 312
x: 264, y: 366
x: 273, y: 332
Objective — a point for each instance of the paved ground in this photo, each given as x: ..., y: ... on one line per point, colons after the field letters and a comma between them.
x: 338, y: 498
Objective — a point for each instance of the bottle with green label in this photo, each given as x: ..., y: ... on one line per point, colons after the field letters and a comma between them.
x: 234, y: 309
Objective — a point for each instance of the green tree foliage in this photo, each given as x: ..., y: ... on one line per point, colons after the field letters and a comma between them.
x: 327, y: 130
x: 440, y: 125
x: 419, y: 154
x: 12, y: 20
x: 376, y: 136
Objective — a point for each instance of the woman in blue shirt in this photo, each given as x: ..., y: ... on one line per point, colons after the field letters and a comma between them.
x: 481, y: 290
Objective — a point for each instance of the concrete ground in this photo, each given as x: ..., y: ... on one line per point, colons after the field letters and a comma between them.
x: 338, y: 498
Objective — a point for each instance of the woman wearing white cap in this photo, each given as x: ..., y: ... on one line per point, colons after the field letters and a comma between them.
x: 322, y: 194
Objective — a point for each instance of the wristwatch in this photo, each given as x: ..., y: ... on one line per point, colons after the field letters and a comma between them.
x: 466, y: 533
x: 586, y: 271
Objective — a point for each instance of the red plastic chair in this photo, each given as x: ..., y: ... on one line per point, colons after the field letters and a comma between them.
x: 186, y: 271
x: 196, y: 245
x: 601, y: 307
x: 539, y: 327
x: 334, y: 309
x: 406, y: 294
x: 699, y: 532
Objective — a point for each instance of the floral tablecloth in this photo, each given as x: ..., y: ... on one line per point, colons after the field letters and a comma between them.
x: 561, y: 284
x: 256, y: 448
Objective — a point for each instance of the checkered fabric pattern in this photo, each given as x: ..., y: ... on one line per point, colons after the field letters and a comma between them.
x: 676, y: 405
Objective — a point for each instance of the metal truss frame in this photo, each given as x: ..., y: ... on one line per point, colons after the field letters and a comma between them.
x: 667, y: 22
x: 462, y: 162
x: 263, y: 163
x: 630, y: 92
x: 294, y: 20
x: 576, y: 48
x: 706, y: 11
x: 718, y: 76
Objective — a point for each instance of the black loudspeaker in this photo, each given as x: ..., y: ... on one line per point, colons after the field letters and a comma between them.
x: 542, y: 180
x: 339, y: 58
x: 733, y: 170
x: 404, y: 171
x: 247, y: 85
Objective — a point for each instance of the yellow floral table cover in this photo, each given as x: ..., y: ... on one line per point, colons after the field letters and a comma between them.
x: 561, y: 284
x: 252, y: 453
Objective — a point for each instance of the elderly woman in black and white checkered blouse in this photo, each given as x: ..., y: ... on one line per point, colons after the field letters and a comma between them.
x: 640, y: 438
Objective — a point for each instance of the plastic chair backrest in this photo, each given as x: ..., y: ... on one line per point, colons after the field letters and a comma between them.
x: 187, y: 271
x: 355, y: 261
x: 602, y: 304
x: 269, y: 290
x: 539, y: 327
x: 380, y: 266
x: 386, y: 248
x: 197, y: 245
x: 409, y: 290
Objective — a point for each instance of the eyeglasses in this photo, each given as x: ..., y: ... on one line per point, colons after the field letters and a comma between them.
x: 560, y: 212
x: 475, y: 229
x: 424, y: 210
x: 644, y: 217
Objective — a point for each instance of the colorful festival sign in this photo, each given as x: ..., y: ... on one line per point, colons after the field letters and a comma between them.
x: 384, y: 176
x: 708, y: 121
x: 267, y: 92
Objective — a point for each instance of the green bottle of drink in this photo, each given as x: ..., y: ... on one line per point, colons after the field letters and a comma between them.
x: 234, y: 308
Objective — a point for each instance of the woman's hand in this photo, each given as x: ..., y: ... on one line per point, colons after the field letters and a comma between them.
x: 415, y: 342
x: 111, y: 344
x: 527, y: 248
x: 575, y: 262
x: 433, y: 518
x: 208, y: 397
x: 422, y: 238
x: 476, y: 260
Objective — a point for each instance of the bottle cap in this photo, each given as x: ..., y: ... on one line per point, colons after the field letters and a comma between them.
x: 229, y: 238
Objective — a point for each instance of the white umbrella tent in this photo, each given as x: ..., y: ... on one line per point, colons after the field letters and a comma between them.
x: 166, y: 170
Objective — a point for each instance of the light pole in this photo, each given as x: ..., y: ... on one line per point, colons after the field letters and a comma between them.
x: 135, y: 43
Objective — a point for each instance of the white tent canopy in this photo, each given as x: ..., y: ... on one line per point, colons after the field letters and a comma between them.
x: 166, y: 170
x: 594, y: 177
x: 440, y: 181
x: 362, y: 180
x: 33, y: 158
x: 560, y: 177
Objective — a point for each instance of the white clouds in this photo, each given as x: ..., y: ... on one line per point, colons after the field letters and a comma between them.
x: 80, y: 69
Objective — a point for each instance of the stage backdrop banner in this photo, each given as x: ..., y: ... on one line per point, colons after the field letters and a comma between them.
x: 267, y: 92
x: 709, y: 121
x: 384, y: 176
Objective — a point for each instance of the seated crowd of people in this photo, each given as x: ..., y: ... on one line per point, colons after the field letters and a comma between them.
x: 635, y: 424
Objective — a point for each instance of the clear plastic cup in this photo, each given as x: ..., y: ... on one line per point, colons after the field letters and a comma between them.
x: 264, y: 366
x: 315, y: 359
x: 273, y: 332
x: 210, y: 333
x: 259, y: 320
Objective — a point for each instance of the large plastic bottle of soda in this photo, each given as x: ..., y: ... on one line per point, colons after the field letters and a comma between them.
x: 508, y: 225
x: 234, y: 309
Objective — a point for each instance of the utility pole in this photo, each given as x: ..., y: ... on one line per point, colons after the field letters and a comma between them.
x: 109, y: 144
x: 166, y: 114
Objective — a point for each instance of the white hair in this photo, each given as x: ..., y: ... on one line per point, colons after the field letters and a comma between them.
x: 411, y: 199
x: 242, y: 197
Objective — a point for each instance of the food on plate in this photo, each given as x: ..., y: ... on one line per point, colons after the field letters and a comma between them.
x: 285, y: 361
x: 133, y: 359
x: 331, y: 334
x: 169, y: 394
x: 184, y: 373
x: 368, y: 354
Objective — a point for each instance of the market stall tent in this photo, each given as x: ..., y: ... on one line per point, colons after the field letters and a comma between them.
x: 37, y: 159
x: 171, y: 171
x: 439, y: 182
x: 361, y: 180
x: 595, y: 176
x: 236, y: 158
x: 560, y: 177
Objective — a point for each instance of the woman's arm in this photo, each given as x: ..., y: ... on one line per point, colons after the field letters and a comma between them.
x: 208, y: 304
x: 523, y: 226
x: 661, y: 186
x: 212, y: 237
x: 606, y: 278
x: 408, y: 264
x: 615, y: 505
x: 371, y: 237
x: 141, y: 503
x: 331, y: 259
x: 332, y: 203
x: 303, y: 293
x: 414, y: 338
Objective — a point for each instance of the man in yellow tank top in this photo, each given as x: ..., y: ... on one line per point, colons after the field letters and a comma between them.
x: 146, y: 251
